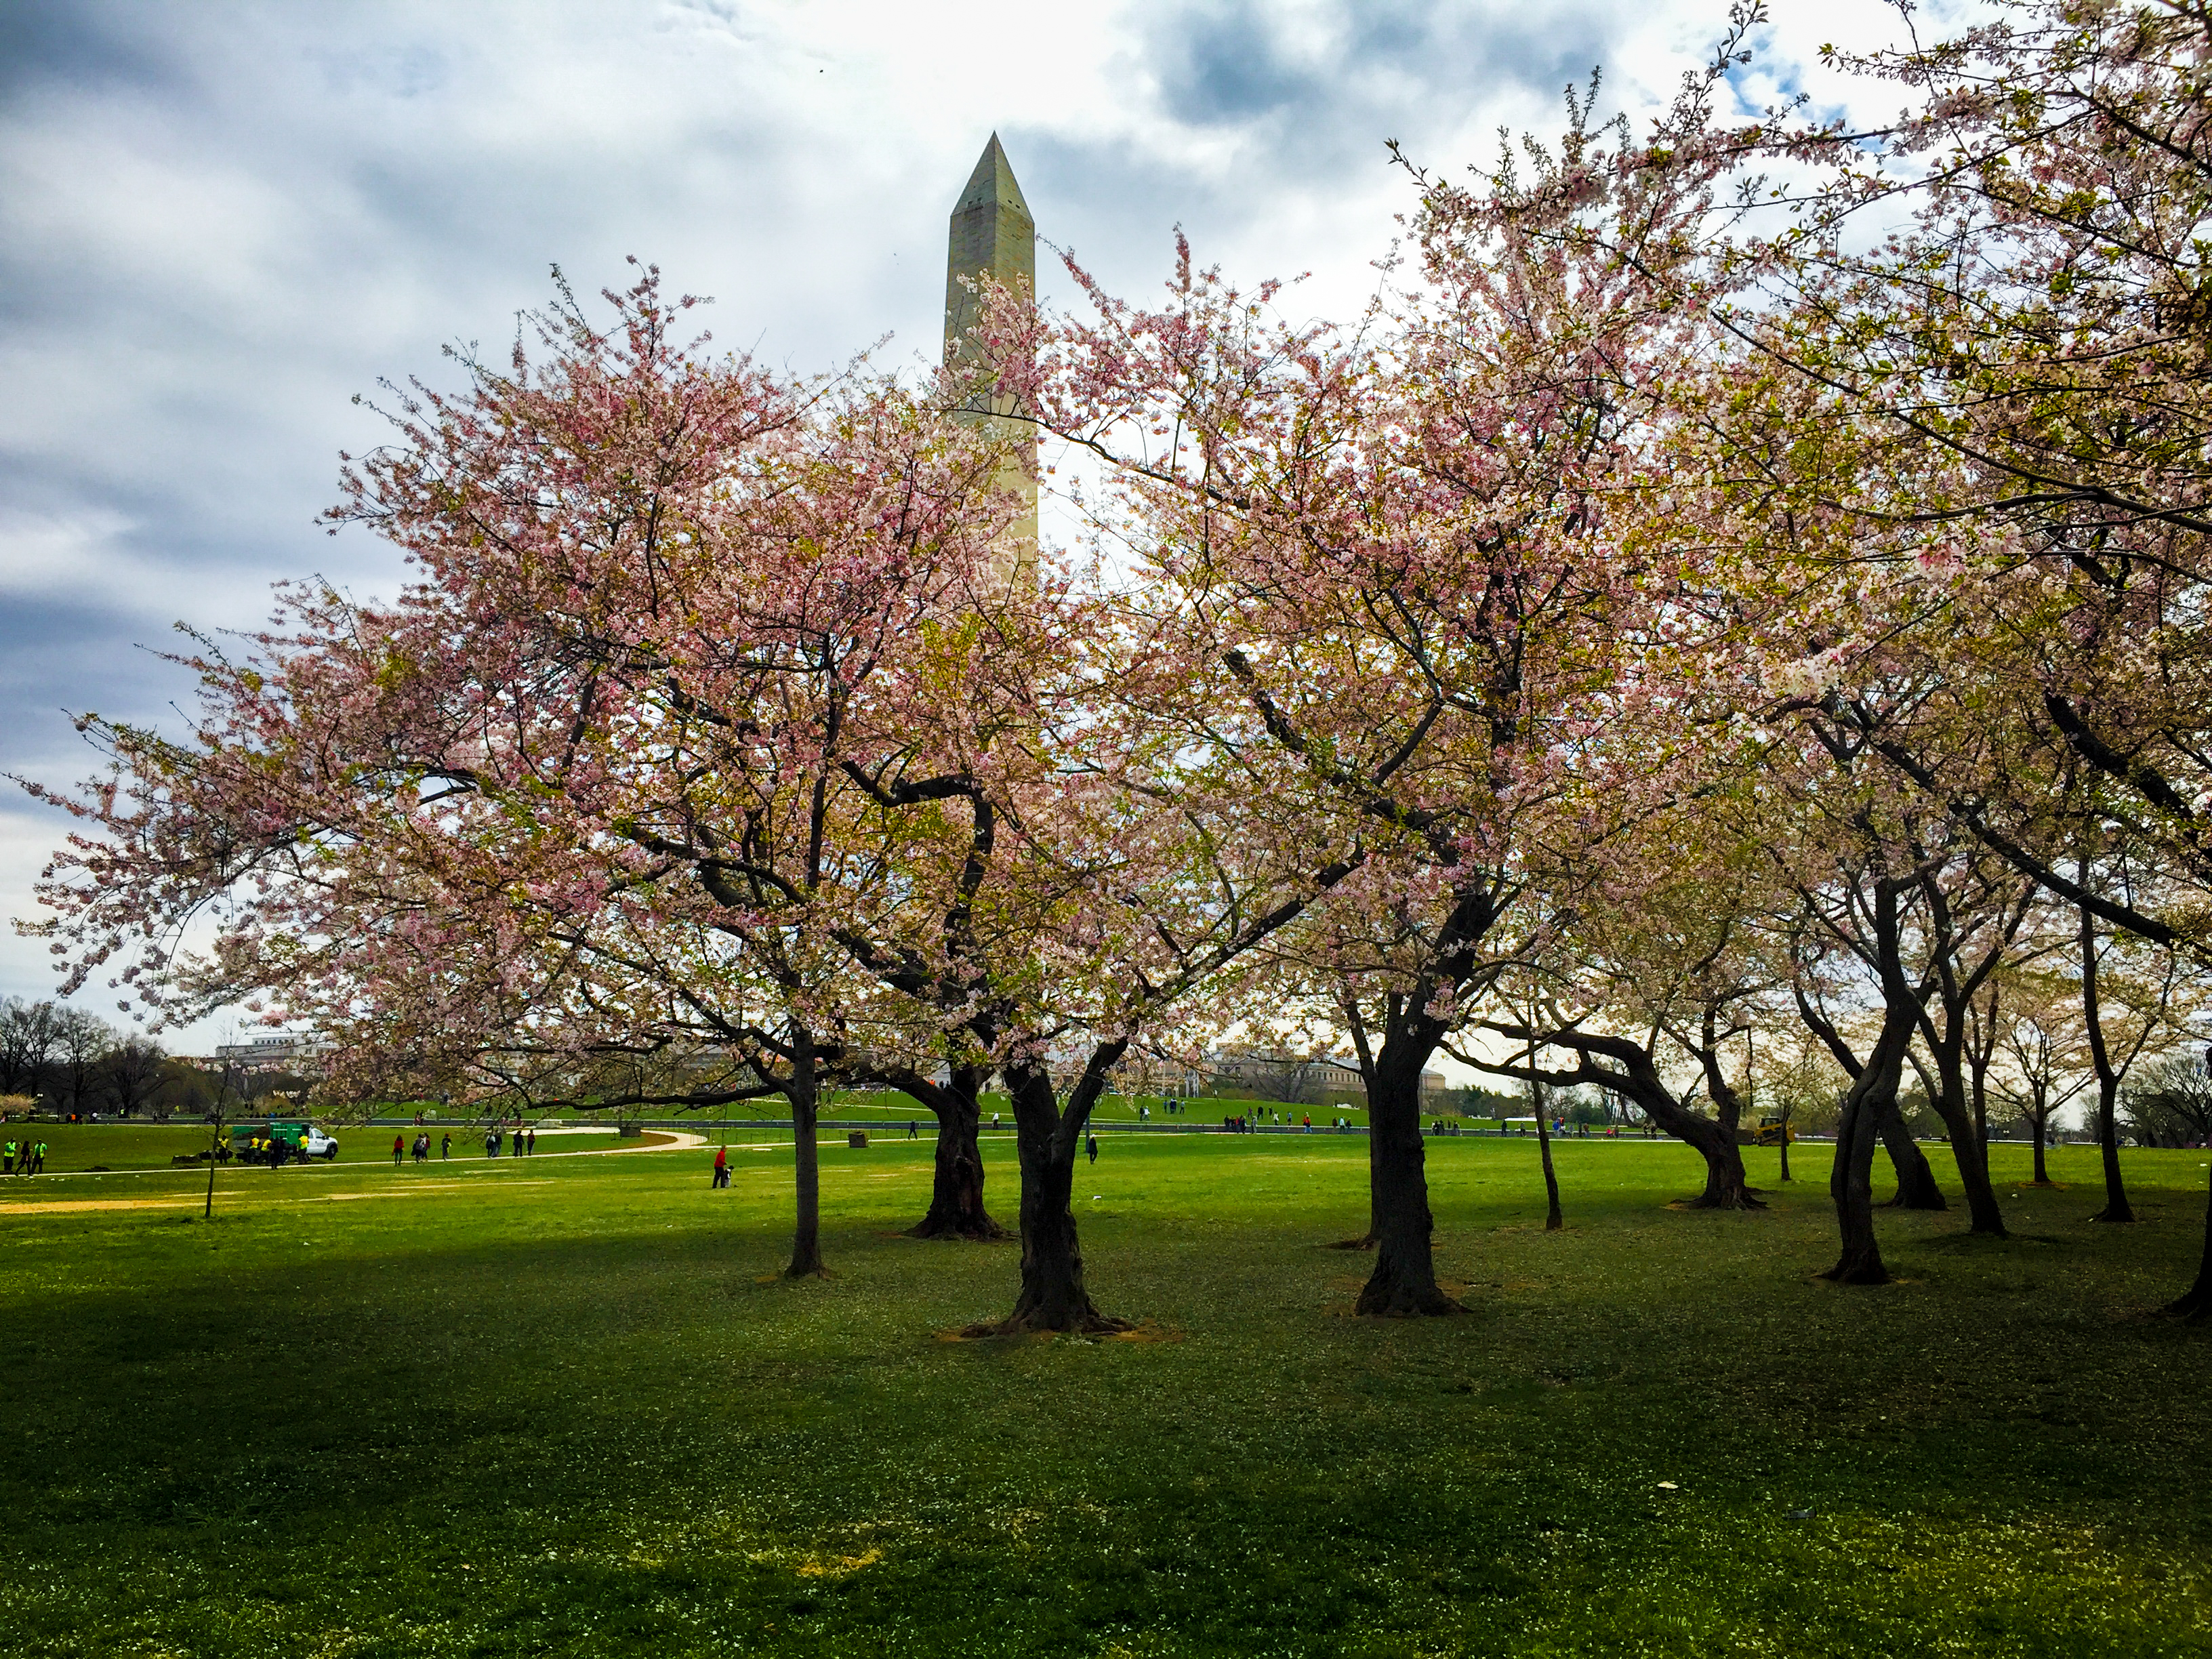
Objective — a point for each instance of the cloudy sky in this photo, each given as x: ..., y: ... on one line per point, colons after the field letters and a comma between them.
x: 220, y: 222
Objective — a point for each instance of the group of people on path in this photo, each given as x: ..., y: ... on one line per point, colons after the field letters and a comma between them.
x: 23, y: 1158
x: 523, y: 1143
x: 419, y: 1148
x: 1241, y: 1125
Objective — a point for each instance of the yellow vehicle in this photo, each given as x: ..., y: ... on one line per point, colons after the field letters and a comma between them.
x: 1770, y: 1131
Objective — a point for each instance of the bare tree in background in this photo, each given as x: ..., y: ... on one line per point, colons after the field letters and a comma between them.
x: 82, y: 1041
x: 2170, y: 1103
x: 1292, y: 1081
x: 2044, y: 1047
x: 27, y: 1031
x: 132, y: 1074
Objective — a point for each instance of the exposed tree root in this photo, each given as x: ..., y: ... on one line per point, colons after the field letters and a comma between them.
x: 1091, y: 1323
x: 1400, y: 1301
x: 1851, y: 1272
x: 1745, y: 1198
x: 975, y: 1233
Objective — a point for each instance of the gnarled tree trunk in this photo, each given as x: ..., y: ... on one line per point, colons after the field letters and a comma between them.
x: 1632, y: 1073
x: 955, y: 1193
x: 1048, y: 1139
x: 1726, y: 1187
x: 1971, y: 1154
x: 1404, y: 1281
x: 1851, y: 1188
x: 1916, y: 1182
x: 1871, y: 1107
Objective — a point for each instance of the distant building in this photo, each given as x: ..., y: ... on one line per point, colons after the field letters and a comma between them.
x: 1276, y: 1075
x: 283, y: 1051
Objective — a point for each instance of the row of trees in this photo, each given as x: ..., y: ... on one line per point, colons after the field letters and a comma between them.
x: 1745, y: 579
x: 71, y: 1060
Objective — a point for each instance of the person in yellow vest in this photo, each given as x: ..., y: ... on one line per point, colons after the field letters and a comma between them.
x: 8, y: 1158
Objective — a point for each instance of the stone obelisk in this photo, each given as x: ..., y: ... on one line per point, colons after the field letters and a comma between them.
x: 994, y: 237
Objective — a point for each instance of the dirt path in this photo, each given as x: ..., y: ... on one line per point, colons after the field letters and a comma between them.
x: 653, y: 1140
x: 232, y: 1199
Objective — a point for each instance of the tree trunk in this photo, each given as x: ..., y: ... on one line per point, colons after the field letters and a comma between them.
x: 1969, y: 1153
x: 1635, y: 1077
x: 2116, y: 1207
x: 1726, y: 1187
x: 1404, y: 1281
x: 1053, y: 1295
x: 1786, y: 1175
x: 2196, y: 1303
x: 1553, y: 1221
x: 2042, y: 1173
x: 1916, y: 1182
x: 803, y: 1090
x: 1869, y: 1109
x: 956, y: 1195
x: 1851, y: 1185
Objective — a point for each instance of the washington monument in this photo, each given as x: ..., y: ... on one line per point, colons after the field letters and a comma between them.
x: 993, y: 236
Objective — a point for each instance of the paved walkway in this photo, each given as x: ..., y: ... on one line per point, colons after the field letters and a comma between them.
x: 658, y: 1141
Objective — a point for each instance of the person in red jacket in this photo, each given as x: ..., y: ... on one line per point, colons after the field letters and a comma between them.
x: 721, y: 1166
x: 398, y: 1145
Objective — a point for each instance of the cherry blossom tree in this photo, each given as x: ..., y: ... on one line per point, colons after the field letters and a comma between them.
x: 1393, y: 568
x: 591, y: 786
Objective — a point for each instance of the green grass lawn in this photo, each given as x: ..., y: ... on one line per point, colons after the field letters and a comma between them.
x: 567, y: 1408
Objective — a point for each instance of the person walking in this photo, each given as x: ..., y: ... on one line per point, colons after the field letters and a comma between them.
x: 1091, y: 1145
x: 721, y: 1167
x: 532, y: 1151
x: 38, y: 1160
x: 8, y: 1159
x: 913, y: 1130
x: 446, y: 1145
x: 398, y: 1145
